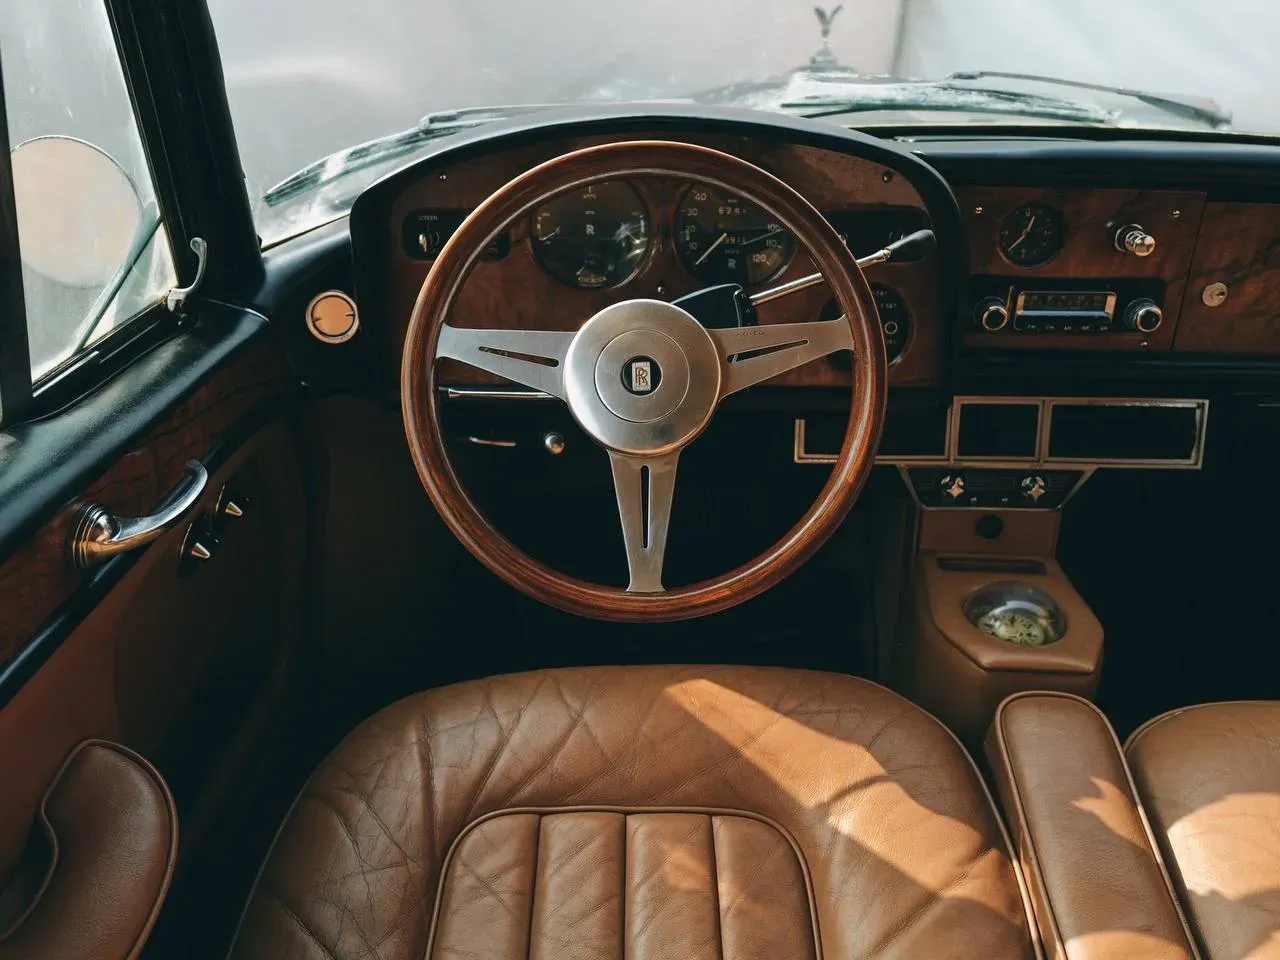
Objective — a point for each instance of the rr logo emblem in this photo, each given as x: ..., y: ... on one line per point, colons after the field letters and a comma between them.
x: 641, y: 375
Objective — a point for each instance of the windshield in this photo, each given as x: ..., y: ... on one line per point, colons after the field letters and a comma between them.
x: 309, y: 78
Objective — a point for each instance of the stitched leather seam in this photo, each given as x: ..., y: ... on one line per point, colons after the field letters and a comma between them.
x: 55, y: 847
x: 715, y: 887
x: 1151, y: 724
x: 1152, y: 848
x: 709, y: 812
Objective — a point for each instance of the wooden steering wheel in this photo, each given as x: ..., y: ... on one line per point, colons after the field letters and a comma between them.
x: 642, y: 378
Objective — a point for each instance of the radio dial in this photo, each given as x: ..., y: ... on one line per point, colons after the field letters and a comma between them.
x: 1143, y: 316
x: 993, y: 314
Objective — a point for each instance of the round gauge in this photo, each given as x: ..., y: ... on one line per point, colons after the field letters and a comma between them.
x: 1032, y: 234
x: 724, y: 238
x: 593, y: 237
x: 895, y: 322
x: 1015, y: 626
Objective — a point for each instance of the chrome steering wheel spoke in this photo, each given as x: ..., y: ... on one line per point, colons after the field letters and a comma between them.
x: 534, y: 358
x: 645, y: 487
x: 750, y: 355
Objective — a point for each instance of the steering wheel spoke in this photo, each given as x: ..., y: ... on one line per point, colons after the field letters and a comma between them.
x: 752, y: 355
x: 645, y: 487
x: 534, y: 358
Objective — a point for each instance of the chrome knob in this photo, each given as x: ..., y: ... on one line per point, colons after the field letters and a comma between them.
x: 1143, y: 316
x: 553, y: 443
x: 1131, y: 238
x: 1033, y: 487
x: 992, y: 314
x: 952, y: 485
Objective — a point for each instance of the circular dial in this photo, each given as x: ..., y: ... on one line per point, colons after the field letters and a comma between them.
x: 593, y: 237
x: 1032, y: 234
x: 895, y: 323
x: 724, y: 238
x: 1015, y: 626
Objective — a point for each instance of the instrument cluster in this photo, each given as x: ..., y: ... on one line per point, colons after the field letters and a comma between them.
x: 602, y: 235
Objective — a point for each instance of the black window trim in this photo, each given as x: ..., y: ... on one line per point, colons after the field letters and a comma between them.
x: 15, y: 352
x: 173, y: 73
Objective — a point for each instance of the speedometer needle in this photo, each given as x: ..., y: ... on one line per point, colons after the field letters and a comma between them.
x: 763, y: 236
x: 719, y: 240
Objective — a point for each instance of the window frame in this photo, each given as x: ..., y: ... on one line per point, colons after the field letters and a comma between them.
x: 172, y: 71
x: 15, y: 352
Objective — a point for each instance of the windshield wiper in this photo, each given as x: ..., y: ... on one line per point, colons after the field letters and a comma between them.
x: 940, y: 95
x: 363, y: 155
x: 1204, y: 111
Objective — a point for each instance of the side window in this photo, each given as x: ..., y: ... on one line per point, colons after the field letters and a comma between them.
x: 94, y: 251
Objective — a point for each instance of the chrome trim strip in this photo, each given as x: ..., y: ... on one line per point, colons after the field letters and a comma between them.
x: 1042, y: 459
x: 493, y: 393
x: 482, y: 442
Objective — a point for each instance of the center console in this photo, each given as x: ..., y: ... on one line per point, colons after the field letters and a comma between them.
x: 985, y: 610
x: 977, y: 628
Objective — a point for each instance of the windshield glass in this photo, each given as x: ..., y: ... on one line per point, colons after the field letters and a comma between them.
x: 309, y: 78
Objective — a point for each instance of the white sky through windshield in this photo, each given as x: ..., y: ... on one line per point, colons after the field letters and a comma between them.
x: 308, y: 77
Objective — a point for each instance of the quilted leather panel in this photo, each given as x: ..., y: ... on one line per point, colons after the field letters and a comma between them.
x: 907, y: 858
x: 568, y: 885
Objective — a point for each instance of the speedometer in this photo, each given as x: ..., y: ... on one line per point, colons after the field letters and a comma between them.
x: 725, y: 238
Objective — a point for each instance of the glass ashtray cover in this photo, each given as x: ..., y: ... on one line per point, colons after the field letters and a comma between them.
x: 1016, y: 612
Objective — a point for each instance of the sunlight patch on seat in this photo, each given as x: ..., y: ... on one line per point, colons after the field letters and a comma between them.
x: 1230, y: 847
x: 1114, y: 810
x: 834, y: 780
x: 1124, y: 943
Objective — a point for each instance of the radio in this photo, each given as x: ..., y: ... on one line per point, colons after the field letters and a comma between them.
x: 1001, y: 305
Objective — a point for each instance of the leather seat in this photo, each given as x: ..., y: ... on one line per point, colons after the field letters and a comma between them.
x: 1209, y: 779
x: 683, y: 812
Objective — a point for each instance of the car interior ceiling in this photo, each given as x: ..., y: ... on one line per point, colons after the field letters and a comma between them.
x: 404, y: 461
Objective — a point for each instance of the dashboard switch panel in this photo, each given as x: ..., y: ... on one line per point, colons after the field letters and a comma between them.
x: 992, y: 489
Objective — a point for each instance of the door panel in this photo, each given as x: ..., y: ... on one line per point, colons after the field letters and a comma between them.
x: 187, y: 662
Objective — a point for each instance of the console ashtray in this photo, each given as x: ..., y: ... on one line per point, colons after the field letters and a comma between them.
x: 1016, y: 612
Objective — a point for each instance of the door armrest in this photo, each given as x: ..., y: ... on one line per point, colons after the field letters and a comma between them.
x: 1098, y: 886
x: 109, y: 839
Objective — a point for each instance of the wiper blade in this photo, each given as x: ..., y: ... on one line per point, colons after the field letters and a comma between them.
x: 363, y: 155
x: 1201, y: 111
x: 944, y: 96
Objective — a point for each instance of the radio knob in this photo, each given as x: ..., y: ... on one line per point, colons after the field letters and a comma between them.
x: 952, y: 485
x: 1143, y: 316
x: 1131, y: 238
x: 992, y: 314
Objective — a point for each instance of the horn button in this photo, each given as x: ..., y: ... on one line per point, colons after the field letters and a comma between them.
x: 642, y: 377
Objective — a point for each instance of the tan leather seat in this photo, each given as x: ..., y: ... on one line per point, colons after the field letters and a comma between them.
x: 1209, y: 778
x: 643, y: 812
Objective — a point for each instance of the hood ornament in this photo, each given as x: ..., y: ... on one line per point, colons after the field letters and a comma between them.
x: 824, y: 58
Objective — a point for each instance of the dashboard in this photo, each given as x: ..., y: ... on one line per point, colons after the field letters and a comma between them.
x: 1085, y: 303
x: 660, y: 238
x: 1053, y: 260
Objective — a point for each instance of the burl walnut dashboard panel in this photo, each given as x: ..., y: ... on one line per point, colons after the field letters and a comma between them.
x: 515, y: 291
x: 1232, y: 302
x: 1090, y: 218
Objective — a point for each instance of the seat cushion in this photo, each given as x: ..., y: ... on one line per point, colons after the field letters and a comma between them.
x: 643, y: 812
x: 1209, y: 777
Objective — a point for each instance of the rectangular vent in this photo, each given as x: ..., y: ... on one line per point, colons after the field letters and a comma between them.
x: 1126, y: 432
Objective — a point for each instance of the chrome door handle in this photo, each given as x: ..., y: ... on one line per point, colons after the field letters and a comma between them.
x: 99, y: 535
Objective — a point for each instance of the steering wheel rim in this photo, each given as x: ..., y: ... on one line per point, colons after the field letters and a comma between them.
x: 428, y: 331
